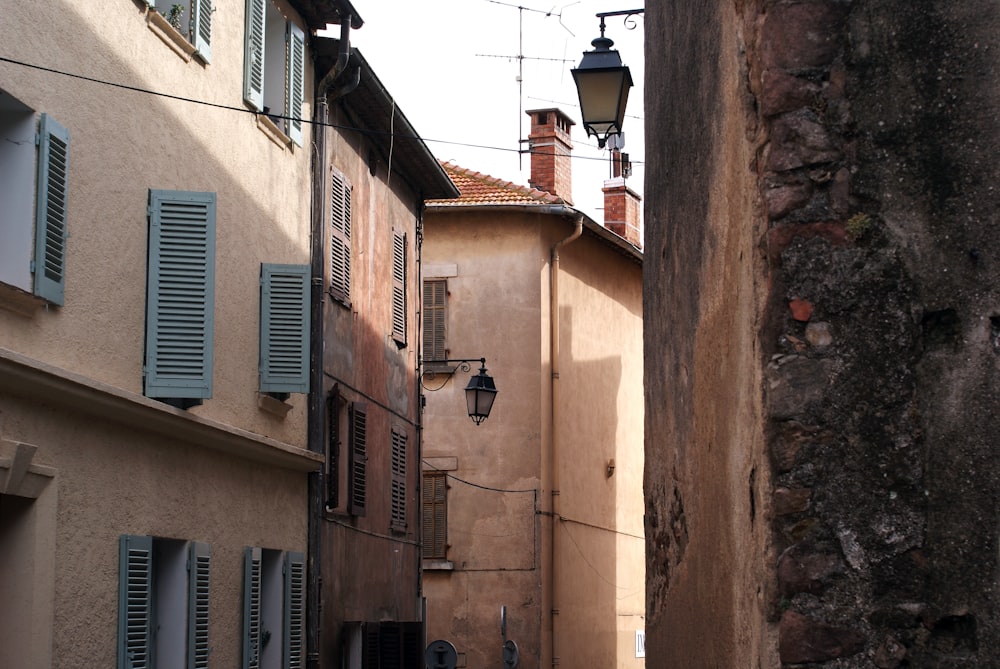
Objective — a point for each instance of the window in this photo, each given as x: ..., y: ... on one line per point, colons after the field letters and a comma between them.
x: 180, y: 297
x: 284, y: 328
x: 383, y: 645
x: 274, y: 66
x: 163, y: 603
x: 358, y: 481
x: 192, y: 19
x: 340, y: 238
x: 434, y: 514
x: 397, y: 506
x: 274, y: 599
x: 399, y: 288
x: 335, y: 440
x: 34, y: 184
x: 435, y: 319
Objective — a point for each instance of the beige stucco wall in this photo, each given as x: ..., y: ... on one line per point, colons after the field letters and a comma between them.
x: 123, y: 143
x: 498, y: 307
x: 226, y: 473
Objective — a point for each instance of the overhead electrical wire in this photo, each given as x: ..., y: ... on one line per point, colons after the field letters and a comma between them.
x: 244, y: 110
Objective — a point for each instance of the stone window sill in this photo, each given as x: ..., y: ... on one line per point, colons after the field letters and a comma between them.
x: 170, y: 35
x: 438, y: 565
x: 273, y: 132
x: 19, y: 301
x: 272, y: 405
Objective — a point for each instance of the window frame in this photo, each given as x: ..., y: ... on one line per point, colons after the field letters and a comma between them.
x: 196, y: 29
x: 261, y: 605
x: 141, y: 583
x: 260, y: 14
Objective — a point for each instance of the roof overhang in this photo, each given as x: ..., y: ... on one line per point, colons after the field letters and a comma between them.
x: 320, y: 13
x: 373, y: 112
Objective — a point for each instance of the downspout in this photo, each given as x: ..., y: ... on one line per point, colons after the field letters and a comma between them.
x: 550, y: 459
x: 316, y: 417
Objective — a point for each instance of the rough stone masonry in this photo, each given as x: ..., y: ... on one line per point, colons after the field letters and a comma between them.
x: 865, y: 489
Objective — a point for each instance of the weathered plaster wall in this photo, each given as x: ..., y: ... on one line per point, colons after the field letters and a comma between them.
x: 706, y: 467
x: 873, y: 125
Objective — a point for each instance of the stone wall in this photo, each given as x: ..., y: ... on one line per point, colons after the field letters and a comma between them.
x: 874, y: 129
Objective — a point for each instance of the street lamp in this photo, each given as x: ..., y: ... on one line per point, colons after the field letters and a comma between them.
x: 480, y: 392
x: 602, y: 82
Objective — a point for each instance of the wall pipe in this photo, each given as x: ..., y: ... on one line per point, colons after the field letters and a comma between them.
x: 550, y: 459
x: 316, y: 416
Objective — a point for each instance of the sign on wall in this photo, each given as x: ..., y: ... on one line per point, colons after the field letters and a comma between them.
x: 640, y: 643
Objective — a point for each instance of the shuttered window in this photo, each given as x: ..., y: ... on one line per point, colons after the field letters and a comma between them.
x: 268, y: 36
x: 389, y: 645
x: 284, y: 328
x: 398, y: 480
x: 358, y: 482
x: 194, y: 21
x: 435, y: 319
x: 340, y: 238
x: 434, y: 514
x: 333, y: 444
x: 163, y: 603
x: 52, y: 190
x: 399, y: 288
x: 274, y: 600
x: 180, y: 295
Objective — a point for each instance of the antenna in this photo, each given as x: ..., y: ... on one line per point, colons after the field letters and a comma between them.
x: 520, y: 63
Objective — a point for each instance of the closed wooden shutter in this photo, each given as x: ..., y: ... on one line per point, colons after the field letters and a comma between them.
x: 52, y: 191
x: 435, y: 516
x: 398, y: 480
x: 180, y: 295
x: 359, y: 459
x: 399, y: 288
x: 284, y: 328
x: 340, y: 238
x: 435, y: 319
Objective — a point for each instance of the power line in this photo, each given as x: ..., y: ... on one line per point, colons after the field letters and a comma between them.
x: 244, y: 110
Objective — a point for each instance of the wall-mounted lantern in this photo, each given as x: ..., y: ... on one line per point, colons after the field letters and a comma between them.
x: 481, y: 391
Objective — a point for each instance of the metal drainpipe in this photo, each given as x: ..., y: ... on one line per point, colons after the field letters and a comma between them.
x: 316, y: 417
x: 550, y: 463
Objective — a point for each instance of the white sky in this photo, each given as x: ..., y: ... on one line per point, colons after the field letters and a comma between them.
x: 452, y: 67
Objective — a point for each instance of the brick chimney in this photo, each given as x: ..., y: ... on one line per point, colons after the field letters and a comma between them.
x: 550, y: 146
x: 621, y: 211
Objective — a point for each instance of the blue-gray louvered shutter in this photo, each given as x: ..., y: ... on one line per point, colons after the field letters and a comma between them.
x: 135, y: 586
x: 284, y: 328
x: 293, y: 639
x: 201, y: 28
x: 399, y: 288
x: 295, y: 78
x: 180, y: 295
x: 253, y: 54
x: 199, y: 573
x: 52, y: 190
x: 340, y: 238
x: 251, y: 608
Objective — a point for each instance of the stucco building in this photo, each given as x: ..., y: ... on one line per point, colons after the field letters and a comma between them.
x: 538, y: 509
x: 193, y: 261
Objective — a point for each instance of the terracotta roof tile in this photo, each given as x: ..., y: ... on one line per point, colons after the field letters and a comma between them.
x: 478, y: 189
